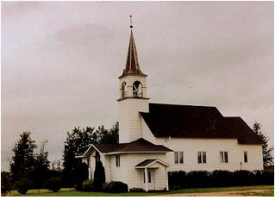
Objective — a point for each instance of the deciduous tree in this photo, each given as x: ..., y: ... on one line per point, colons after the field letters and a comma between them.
x: 6, y: 185
x: 267, y: 156
x: 78, y: 141
x: 40, y: 173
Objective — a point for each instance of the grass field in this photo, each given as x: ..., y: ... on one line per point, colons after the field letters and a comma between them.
x: 263, y: 190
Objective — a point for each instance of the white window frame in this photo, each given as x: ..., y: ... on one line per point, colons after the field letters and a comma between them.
x: 224, y: 156
x: 202, y: 157
x: 178, y: 157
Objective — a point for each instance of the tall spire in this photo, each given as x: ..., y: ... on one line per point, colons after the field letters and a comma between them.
x: 132, y: 65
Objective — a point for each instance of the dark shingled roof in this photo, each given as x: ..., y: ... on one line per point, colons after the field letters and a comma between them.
x: 146, y: 162
x: 140, y: 145
x: 186, y: 121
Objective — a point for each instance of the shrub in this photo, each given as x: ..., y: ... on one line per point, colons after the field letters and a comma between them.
x: 99, y: 176
x: 243, y: 177
x: 136, y: 190
x: 6, y: 185
x: 78, y: 187
x: 115, y: 187
x: 106, y: 187
x: 88, y: 185
x: 23, y: 185
x: 177, y: 179
x: 54, y: 184
x: 264, y: 177
x: 221, y: 178
x: 258, y: 177
x: 198, y: 179
x: 268, y: 178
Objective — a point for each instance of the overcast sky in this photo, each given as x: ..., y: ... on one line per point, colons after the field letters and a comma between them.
x: 61, y: 62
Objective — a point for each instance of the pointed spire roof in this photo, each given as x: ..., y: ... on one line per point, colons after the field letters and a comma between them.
x: 132, y: 65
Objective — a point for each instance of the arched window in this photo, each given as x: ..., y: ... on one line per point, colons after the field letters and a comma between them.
x: 124, y: 89
x: 137, y: 89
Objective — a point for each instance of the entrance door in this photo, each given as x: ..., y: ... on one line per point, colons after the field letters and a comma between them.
x: 150, y: 179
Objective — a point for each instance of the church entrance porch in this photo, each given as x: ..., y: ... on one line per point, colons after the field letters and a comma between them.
x: 149, y: 179
x: 154, y: 174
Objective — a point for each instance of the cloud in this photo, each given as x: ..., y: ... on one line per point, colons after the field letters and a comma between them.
x: 17, y: 9
x: 61, y: 60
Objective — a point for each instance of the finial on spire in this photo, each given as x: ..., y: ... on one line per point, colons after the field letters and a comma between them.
x: 131, y: 25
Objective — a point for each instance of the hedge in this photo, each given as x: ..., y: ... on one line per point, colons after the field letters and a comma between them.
x: 219, y: 178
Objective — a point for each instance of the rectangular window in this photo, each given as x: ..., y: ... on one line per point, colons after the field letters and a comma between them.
x: 245, y: 157
x: 117, y: 160
x: 181, y: 157
x: 204, y: 157
x: 178, y: 157
x: 224, y: 156
x: 201, y: 157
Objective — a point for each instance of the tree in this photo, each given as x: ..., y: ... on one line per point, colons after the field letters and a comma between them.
x: 23, y: 160
x: 267, y: 156
x: 99, y: 176
x: 77, y: 142
x: 40, y: 174
x: 23, y: 185
x: 6, y: 185
x: 54, y: 184
x: 56, y: 165
x: 81, y: 174
x: 113, y: 135
x: 105, y: 136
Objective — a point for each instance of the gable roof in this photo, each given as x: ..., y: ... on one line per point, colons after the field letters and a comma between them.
x: 186, y: 121
x: 148, y: 162
x: 140, y: 145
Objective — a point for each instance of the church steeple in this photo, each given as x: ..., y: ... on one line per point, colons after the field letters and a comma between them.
x: 132, y: 95
x: 132, y: 64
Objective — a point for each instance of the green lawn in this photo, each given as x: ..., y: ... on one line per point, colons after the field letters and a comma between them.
x: 68, y: 192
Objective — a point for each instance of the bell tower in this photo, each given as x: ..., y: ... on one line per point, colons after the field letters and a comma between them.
x: 132, y: 95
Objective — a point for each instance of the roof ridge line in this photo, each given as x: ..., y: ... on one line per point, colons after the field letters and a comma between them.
x: 182, y: 105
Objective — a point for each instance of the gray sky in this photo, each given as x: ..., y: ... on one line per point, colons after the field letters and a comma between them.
x: 61, y: 60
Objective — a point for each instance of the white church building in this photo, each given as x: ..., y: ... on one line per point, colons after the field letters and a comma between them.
x: 157, y: 138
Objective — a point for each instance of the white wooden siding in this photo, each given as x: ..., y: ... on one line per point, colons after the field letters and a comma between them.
x: 212, y: 147
x: 130, y: 119
x: 127, y: 172
x: 146, y: 132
